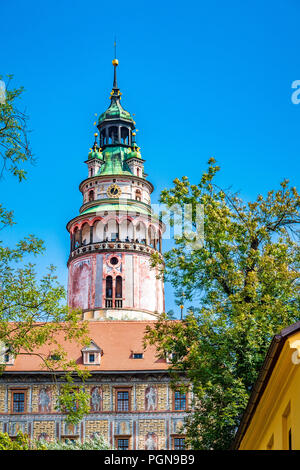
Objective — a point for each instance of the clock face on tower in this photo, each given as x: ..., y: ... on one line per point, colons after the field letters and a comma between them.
x: 114, y: 191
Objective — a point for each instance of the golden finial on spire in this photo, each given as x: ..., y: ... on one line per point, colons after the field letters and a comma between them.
x: 115, y: 62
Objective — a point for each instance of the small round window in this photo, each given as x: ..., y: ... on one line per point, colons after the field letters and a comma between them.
x: 114, y: 260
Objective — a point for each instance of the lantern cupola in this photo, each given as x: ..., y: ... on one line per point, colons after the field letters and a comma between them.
x: 116, y: 125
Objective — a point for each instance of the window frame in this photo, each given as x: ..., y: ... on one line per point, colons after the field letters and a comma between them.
x: 123, y: 389
x: 174, y: 401
x: 178, y: 436
x: 94, y: 358
x: 135, y: 355
x: 122, y: 437
x: 15, y: 391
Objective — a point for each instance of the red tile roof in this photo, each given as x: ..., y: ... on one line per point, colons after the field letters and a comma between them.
x: 117, y: 339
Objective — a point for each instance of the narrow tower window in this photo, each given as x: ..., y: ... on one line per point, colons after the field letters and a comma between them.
x: 118, y: 287
x: 91, y: 195
x: 109, y: 287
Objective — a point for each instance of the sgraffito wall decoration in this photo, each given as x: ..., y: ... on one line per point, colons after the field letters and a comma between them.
x: 81, y: 282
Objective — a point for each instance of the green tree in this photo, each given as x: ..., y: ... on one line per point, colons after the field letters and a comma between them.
x: 14, y: 144
x: 19, y: 443
x: 244, y: 281
x: 95, y: 443
x: 33, y: 312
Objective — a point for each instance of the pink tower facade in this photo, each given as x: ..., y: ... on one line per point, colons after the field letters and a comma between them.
x: 115, y: 234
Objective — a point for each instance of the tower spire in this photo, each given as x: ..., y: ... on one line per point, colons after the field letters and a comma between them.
x: 115, y: 63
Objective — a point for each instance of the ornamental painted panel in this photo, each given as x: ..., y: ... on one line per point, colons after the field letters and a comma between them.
x: 15, y: 427
x: 43, y: 437
x: 96, y: 399
x: 81, y: 282
x: 45, y: 400
x: 151, y: 398
x: 178, y: 426
x: 151, y: 441
x: 122, y: 427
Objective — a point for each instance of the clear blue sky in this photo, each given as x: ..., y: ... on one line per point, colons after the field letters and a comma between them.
x: 204, y: 78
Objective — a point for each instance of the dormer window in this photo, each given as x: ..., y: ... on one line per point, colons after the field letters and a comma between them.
x: 55, y: 357
x: 6, y: 356
x: 91, y: 354
x: 170, y: 357
x: 137, y: 355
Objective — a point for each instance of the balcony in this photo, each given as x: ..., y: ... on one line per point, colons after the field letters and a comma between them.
x: 137, y: 246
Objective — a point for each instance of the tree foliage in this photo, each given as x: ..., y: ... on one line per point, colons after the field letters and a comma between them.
x: 14, y: 144
x: 20, y: 442
x: 94, y: 443
x: 245, y: 284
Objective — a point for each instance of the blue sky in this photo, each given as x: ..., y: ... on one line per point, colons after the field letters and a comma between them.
x: 203, y: 79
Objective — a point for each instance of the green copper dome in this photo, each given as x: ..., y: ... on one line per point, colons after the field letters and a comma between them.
x: 95, y: 153
x: 115, y: 111
x: 115, y: 161
x: 133, y: 152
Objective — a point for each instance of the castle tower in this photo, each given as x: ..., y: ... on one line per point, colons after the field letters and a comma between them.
x: 113, y: 237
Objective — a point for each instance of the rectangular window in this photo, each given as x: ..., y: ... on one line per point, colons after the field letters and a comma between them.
x: 18, y: 401
x: 137, y: 356
x: 123, y: 444
x: 92, y: 357
x: 123, y: 400
x: 179, y: 443
x: 179, y: 401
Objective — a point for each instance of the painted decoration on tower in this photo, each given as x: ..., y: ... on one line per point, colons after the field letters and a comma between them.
x: 96, y: 399
x: 151, y: 441
x: 81, y: 281
x: 151, y: 398
x: 45, y: 400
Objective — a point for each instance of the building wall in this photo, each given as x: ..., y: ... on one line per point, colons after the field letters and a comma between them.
x: 278, y: 411
x: 152, y: 417
x: 141, y: 288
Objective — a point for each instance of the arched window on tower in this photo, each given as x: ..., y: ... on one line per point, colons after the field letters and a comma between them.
x: 91, y: 195
x: 152, y: 237
x: 108, y: 292
x: 77, y: 238
x: 124, y: 135
x: 113, y: 135
x: 102, y: 138
x: 91, y: 172
x: 111, y: 231
x: 118, y: 301
x: 138, y: 172
x: 138, y: 195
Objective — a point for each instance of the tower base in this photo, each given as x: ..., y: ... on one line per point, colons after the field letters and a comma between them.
x: 119, y: 314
